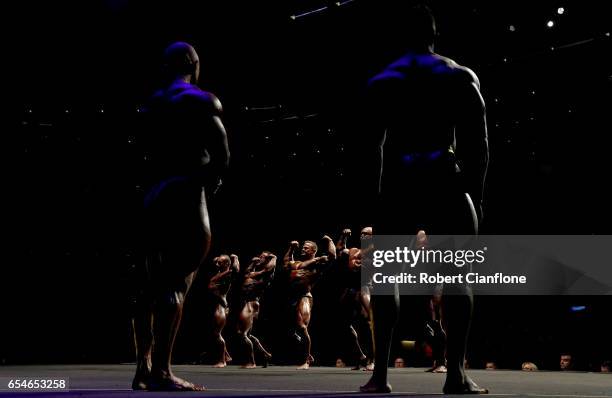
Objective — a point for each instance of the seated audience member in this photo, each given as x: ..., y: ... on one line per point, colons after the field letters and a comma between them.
x: 529, y: 367
x: 565, y: 362
x: 490, y: 365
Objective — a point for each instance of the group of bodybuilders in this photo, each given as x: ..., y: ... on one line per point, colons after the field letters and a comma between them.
x: 302, y: 267
x: 424, y: 112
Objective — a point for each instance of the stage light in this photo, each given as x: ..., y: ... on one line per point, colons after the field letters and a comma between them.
x: 560, y: 10
x: 511, y: 28
x: 550, y: 24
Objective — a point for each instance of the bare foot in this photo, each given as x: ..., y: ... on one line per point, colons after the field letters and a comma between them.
x: 439, y: 369
x: 373, y: 386
x: 305, y: 366
x: 141, y: 380
x: 220, y: 365
x: 173, y: 383
x: 466, y: 387
x: 249, y: 366
x: 140, y: 383
x: 369, y: 367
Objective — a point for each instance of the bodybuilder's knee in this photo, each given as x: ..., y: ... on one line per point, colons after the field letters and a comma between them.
x: 244, y: 337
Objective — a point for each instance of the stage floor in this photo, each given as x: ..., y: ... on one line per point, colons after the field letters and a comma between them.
x: 114, y: 381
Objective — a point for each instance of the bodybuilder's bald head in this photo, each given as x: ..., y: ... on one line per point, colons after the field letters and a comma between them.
x: 181, y: 61
x: 420, y: 28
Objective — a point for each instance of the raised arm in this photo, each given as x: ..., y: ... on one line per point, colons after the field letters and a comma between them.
x: 218, y: 276
x: 267, y: 267
x: 331, y: 248
x: 235, y: 263
x: 341, y: 244
x: 288, y: 259
x: 251, y: 267
x: 270, y: 263
x: 309, y: 263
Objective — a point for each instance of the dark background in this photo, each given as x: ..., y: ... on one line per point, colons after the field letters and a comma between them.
x: 291, y: 89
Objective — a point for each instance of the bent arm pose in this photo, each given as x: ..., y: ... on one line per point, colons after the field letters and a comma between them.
x: 257, y: 278
x: 219, y: 286
x: 303, y: 275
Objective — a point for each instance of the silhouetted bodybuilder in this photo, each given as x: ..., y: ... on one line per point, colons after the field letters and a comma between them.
x: 187, y: 151
x: 428, y: 118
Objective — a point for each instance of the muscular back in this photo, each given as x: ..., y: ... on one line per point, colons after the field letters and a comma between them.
x: 185, y: 135
x: 424, y: 105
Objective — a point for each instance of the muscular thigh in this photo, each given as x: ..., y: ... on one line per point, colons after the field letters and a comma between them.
x: 177, y: 228
x: 245, y: 320
x: 304, y: 310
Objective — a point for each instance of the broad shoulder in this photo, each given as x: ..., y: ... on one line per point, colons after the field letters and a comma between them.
x: 195, y: 96
x: 461, y: 72
x: 433, y: 63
